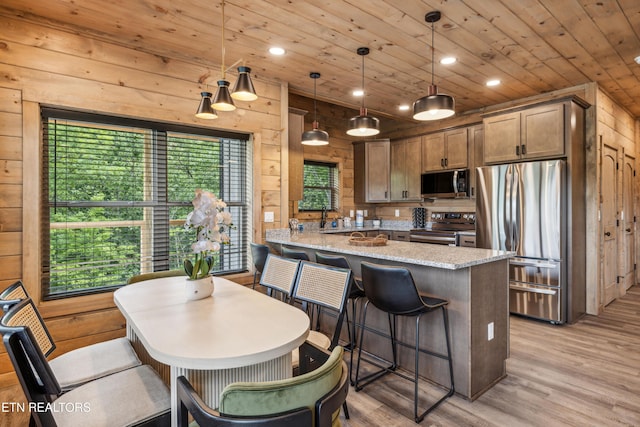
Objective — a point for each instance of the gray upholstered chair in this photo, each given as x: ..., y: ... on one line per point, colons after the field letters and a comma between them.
x: 132, y: 397
x: 155, y: 275
x: 312, y: 398
x: 83, y: 364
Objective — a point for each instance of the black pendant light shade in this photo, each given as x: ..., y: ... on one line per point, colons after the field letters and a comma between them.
x: 244, y: 90
x: 434, y: 106
x: 315, y: 136
x: 364, y: 124
x: 222, y: 101
x: 204, y: 109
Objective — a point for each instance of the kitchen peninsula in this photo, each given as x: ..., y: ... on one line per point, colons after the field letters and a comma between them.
x: 475, y: 281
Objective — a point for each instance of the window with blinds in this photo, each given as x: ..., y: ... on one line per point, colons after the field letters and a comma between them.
x: 320, y: 187
x: 116, y: 193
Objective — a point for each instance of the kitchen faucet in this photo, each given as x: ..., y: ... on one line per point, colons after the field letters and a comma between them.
x: 323, y: 218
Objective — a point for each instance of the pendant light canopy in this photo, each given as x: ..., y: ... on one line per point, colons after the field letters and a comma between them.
x: 223, y: 100
x: 434, y: 106
x: 315, y: 136
x: 364, y: 124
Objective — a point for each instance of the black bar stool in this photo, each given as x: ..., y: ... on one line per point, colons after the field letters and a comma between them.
x: 293, y: 254
x: 259, y: 256
x: 393, y: 291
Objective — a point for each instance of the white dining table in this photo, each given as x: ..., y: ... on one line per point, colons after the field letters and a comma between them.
x: 237, y: 334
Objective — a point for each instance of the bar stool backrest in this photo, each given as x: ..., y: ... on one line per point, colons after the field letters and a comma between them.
x: 391, y: 289
x: 292, y: 253
x: 15, y: 291
x: 280, y: 274
x: 259, y: 254
x: 322, y: 285
x: 338, y: 261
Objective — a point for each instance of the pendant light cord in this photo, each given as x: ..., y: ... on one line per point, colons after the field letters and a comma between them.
x: 363, y: 92
x: 223, y: 52
x: 315, y: 106
x: 433, y: 49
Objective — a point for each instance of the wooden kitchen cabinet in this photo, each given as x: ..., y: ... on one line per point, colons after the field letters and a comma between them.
x: 371, y: 171
x: 296, y: 155
x: 445, y: 150
x: 533, y: 133
x: 406, y: 169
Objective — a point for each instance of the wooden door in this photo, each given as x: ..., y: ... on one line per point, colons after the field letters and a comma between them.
x: 609, y: 218
x: 501, y: 138
x: 543, y: 132
x: 628, y: 224
x: 456, y: 146
x: 433, y: 152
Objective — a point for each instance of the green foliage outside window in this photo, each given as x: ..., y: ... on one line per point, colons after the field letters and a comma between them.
x: 320, y: 187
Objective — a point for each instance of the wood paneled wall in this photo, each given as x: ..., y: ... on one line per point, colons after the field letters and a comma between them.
x: 46, y: 66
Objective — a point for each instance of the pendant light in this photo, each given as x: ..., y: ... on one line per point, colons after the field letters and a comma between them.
x: 363, y: 125
x: 315, y: 136
x: 204, y: 109
x: 223, y: 100
x: 434, y: 106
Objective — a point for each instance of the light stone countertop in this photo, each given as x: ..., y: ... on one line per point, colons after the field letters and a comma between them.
x: 439, y: 256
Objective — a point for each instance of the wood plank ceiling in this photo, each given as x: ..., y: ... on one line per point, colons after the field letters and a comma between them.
x: 532, y: 46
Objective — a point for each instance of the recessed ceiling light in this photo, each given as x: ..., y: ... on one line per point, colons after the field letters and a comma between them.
x: 448, y: 60
x: 403, y: 107
x: 495, y: 82
x: 275, y: 50
x: 637, y: 59
x: 358, y: 92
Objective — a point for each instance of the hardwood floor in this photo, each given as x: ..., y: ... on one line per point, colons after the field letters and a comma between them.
x: 586, y: 374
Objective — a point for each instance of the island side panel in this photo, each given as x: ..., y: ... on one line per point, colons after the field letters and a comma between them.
x: 489, y: 304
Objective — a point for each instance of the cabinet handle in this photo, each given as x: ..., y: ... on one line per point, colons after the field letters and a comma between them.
x: 517, y: 150
x: 524, y: 149
x: 442, y: 162
x: 607, y: 234
x: 628, y: 230
x: 385, y: 194
x: 446, y: 162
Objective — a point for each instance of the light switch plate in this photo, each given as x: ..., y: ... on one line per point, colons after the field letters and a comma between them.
x: 490, y: 331
x: 366, y: 212
x: 351, y: 214
x: 397, y: 212
x: 268, y: 217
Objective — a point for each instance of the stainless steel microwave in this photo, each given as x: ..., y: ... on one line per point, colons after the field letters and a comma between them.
x: 445, y: 184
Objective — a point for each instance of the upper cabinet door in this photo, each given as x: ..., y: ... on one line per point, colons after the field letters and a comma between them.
x: 377, y: 171
x: 502, y: 138
x: 413, y: 167
x: 456, y: 146
x: 433, y: 152
x: 543, y: 132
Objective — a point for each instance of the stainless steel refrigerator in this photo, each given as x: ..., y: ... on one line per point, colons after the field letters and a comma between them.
x: 521, y: 207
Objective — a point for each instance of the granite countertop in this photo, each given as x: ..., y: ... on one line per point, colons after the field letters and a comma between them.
x: 330, y: 230
x: 439, y: 256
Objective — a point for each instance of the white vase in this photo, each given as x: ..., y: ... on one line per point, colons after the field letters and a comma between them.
x: 199, y: 288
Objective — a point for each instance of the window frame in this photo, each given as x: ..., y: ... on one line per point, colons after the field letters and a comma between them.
x: 333, y: 187
x: 154, y: 126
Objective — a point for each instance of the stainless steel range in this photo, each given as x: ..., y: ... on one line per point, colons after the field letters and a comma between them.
x: 444, y: 228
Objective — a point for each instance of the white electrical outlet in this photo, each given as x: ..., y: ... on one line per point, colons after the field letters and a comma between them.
x: 397, y: 212
x: 366, y: 212
x: 351, y: 214
x: 490, y: 331
x: 268, y: 217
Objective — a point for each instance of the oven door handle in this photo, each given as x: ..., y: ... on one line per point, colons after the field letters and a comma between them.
x: 533, y: 290
x: 421, y: 238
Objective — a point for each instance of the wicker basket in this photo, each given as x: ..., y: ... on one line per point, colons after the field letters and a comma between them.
x: 359, y: 239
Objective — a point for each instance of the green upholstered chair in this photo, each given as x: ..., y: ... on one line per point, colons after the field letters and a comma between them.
x: 78, y: 366
x: 133, y: 397
x: 155, y: 275
x: 312, y: 398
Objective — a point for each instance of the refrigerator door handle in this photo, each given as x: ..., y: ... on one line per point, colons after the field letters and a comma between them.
x: 533, y: 290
